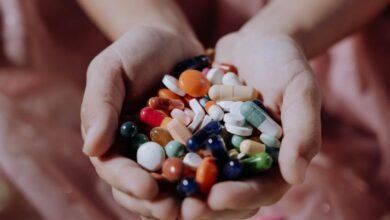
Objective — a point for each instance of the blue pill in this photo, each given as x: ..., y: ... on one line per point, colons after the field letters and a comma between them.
x: 128, y: 130
x: 217, y: 146
x: 196, y: 142
x: 232, y: 170
x: 198, y: 63
x: 187, y: 187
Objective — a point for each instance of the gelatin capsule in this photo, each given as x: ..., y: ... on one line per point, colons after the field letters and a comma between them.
x: 250, y: 147
x: 195, y: 142
x: 165, y: 104
x: 232, y: 93
x: 256, y: 163
x: 206, y: 175
x: 167, y: 94
x: 160, y: 135
x: 152, y: 117
x: 217, y: 146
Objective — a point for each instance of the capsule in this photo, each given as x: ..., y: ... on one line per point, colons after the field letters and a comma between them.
x: 178, y: 131
x: 232, y: 93
x: 195, y: 142
x: 181, y: 116
x: 231, y: 79
x: 256, y: 163
x: 165, y: 104
x: 214, y: 111
x: 232, y: 170
x: 187, y: 187
x: 217, y: 146
x: 153, y: 117
x: 249, y: 147
x: 167, y: 94
x: 258, y: 118
x: 206, y: 175
x: 198, y: 63
x: 160, y: 135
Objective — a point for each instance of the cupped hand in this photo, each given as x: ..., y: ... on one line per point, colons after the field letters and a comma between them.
x: 277, y: 68
x: 124, y: 73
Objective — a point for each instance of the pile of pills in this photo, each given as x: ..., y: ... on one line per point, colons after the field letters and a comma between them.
x: 204, y: 127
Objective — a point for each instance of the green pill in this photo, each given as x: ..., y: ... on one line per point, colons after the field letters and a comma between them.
x: 174, y: 149
x: 138, y: 140
x: 257, y: 163
x: 236, y: 141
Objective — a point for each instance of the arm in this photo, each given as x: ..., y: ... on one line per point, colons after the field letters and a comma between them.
x: 115, y: 17
x: 315, y: 24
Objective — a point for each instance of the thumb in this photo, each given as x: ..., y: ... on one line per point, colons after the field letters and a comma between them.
x: 102, y: 102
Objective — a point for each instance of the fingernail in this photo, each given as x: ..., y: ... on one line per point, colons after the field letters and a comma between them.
x: 301, y: 167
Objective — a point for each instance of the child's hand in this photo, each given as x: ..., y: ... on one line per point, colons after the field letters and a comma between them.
x: 275, y: 66
x: 126, y: 70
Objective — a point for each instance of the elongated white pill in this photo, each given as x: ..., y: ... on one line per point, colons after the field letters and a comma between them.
x: 239, y: 130
x: 172, y: 84
x: 196, y: 107
x: 233, y: 119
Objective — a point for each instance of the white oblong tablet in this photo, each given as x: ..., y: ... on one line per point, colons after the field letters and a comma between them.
x: 216, y: 113
x: 215, y: 75
x: 225, y: 105
x: 231, y: 79
x: 235, y: 108
x: 181, y: 116
x: 239, y: 130
x: 196, y: 122
x: 192, y: 160
x: 195, y: 106
x: 150, y: 156
x: 207, y: 119
x: 172, y: 84
x: 233, y: 119
x: 189, y: 112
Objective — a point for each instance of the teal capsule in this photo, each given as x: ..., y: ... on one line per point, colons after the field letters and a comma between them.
x: 256, y: 163
x: 269, y: 140
x: 236, y: 141
x: 174, y: 149
x: 138, y: 140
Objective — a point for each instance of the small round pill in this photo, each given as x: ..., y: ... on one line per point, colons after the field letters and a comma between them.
x: 174, y: 149
x: 128, y: 130
x: 187, y: 187
x: 173, y: 169
x: 138, y: 140
x: 194, y: 83
x: 150, y: 156
x: 232, y: 170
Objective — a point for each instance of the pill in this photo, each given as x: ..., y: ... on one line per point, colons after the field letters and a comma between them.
x: 174, y: 149
x: 192, y: 160
x: 189, y: 112
x: 181, y: 116
x: 239, y: 130
x: 234, y: 119
x: 250, y: 147
x: 160, y: 135
x: 152, y: 117
x: 225, y: 67
x: 150, y: 156
x: 194, y: 83
x: 232, y: 93
x: 231, y: 79
x: 256, y: 163
x: 206, y: 175
x: 215, y: 75
x: 203, y: 101
x: 233, y: 153
x: 138, y: 140
x: 167, y: 94
x: 232, y: 170
x: 206, y: 119
x: 195, y: 106
x: 197, y: 140
x: 173, y: 169
x: 172, y: 84
x: 198, y: 63
x: 235, y: 108
x: 214, y: 111
x: 236, y: 141
x: 165, y: 104
x: 178, y: 131
x: 269, y: 141
x: 165, y: 121
x: 196, y: 122
x: 128, y: 130
x: 217, y: 146
x: 225, y: 105
x: 260, y: 119
x: 187, y: 187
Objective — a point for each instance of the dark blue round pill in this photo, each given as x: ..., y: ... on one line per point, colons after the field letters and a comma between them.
x: 217, y: 146
x: 128, y: 130
x: 232, y: 170
x: 187, y: 187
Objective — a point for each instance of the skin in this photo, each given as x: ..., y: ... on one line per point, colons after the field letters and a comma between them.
x: 264, y: 48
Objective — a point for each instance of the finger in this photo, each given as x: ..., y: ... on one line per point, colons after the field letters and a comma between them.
x: 253, y: 193
x: 224, y: 48
x: 103, y: 98
x: 162, y: 207
x: 195, y: 208
x: 125, y: 175
x: 300, y: 113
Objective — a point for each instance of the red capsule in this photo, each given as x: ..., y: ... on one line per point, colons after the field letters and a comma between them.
x: 165, y: 104
x: 152, y: 117
x: 225, y: 67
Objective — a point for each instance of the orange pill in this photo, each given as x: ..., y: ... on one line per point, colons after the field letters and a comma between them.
x: 194, y: 83
x: 167, y: 94
x: 206, y: 174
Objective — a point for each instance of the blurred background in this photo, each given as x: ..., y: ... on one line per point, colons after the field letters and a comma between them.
x: 45, y: 48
